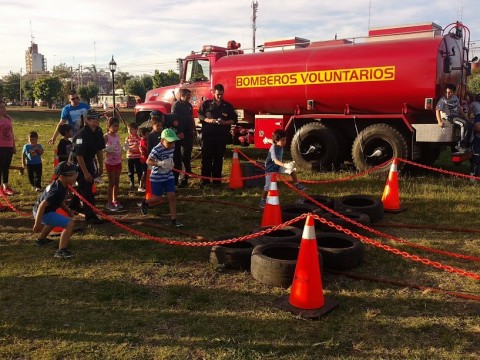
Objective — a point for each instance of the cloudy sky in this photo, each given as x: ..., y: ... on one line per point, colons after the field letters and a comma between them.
x: 145, y: 35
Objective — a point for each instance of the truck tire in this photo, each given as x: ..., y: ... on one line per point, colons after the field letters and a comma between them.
x: 274, y: 264
x: 365, y: 204
x: 314, y: 147
x: 233, y: 256
x: 339, y: 251
x: 377, y: 144
x: 285, y: 234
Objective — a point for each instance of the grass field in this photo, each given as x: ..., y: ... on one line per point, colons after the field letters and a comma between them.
x: 126, y: 297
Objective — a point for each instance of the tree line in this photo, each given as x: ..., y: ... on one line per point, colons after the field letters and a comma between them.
x: 89, y: 82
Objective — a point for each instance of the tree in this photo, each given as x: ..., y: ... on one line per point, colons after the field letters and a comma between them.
x: 121, y: 79
x: 135, y: 87
x: 88, y: 91
x: 11, y: 86
x: 28, y: 87
x: 161, y: 79
x: 47, y: 88
x: 63, y: 72
x: 473, y: 83
x: 147, y: 82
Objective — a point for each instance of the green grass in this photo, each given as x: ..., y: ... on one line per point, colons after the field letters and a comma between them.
x: 125, y: 297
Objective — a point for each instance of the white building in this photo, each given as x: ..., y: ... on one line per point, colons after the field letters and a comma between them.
x: 35, y: 62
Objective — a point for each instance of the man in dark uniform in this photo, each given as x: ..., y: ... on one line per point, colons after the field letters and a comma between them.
x: 88, y: 143
x: 186, y: 133
x: 217, y: 117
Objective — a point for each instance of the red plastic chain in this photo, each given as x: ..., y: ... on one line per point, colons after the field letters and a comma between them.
x: 13, y: 208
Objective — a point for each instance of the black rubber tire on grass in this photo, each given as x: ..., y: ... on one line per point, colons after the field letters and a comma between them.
x: 366, y: 204
x: 291, y: 211
x: 233, y: 256
x: 339, y: 251
x: 285, y: 234
x: 274, y: 264
x: 361, y: 218
x: 328, y: 201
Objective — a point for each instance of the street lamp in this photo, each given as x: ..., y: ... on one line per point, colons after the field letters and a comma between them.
x: 113, y: 67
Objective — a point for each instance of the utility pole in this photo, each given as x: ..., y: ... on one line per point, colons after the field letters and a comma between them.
x: 20, y: 86
x: 254, y: 22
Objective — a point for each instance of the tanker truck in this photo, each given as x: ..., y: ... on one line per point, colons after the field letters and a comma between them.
x: 362, y: 100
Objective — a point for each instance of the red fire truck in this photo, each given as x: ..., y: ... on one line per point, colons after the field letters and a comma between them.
x: 364, y: 100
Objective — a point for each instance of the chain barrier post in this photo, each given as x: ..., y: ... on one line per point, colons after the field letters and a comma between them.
x: 306, y: 296
x: 272, y: 214
x: 236, y: 181
x: 390, y: 197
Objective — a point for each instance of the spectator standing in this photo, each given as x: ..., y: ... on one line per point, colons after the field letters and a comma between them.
x: 161, y: 177
x: 448, y: 109
x: 132, y: 146
x: 156, y: 119
x: 171, y: 122
x: 113, y: 163
x: 7, y: 148
x: 88, y: 144
x: 32, y: 160
x: 217, y: 117
x: 184, y: 110
x: 72, y: 115
x: 64, y: 145
x: 44, y: 210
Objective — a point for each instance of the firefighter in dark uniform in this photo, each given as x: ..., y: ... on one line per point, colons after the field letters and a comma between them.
x: 88, y: 143
x: 217, y: 117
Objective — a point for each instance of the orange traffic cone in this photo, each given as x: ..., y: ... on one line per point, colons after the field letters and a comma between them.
x: 148, y: 185
x: 57, y: 230
x: 2, y: 207
x: 236, y: 181
x: 272, y: 214
x: 306, y: 296
x: 390, y: 197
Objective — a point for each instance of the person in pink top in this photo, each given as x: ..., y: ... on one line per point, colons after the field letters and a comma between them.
x: 113, y: 163
x: 132, y: 146
x: 7, y: 148
x: 143, y: 132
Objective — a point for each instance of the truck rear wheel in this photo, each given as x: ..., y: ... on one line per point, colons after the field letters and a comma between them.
x: 377, y: 144
x: 314, y: 147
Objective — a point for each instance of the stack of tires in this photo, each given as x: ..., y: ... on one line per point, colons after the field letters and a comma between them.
x: 272, y: 257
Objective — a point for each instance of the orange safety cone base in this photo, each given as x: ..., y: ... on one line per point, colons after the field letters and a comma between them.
x: 311, y: 314
x: 394, y: 211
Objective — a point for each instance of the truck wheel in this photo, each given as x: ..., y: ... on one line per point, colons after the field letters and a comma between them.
x: 314, y: 147
x: 377, y: 144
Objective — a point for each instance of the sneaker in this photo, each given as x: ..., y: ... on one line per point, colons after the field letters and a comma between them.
x: 94, y: 220
x: 461, y: 149
x: 111, y: 207
x: 176, y: 223
x: 262, y: 203
x: 300, y: 187
x: 8, y: 191
x: 183, y: 184
x: 98, y: 180
x: 141, y: 189
x: 144, y: 207
x: 63, y: 254
x: 38, y: 189
x: 43, y: 242
x: 117, y: 205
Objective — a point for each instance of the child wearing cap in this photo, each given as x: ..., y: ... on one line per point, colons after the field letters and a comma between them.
x: 44, y: 210
x: 161, y: 177
x: 32, y: 160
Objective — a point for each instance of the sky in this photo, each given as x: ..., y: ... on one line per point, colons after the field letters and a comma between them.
x: 145, y: 35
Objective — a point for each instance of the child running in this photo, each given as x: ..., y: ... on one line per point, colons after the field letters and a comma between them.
x: 32, y: 160
x: 161, y: 177
x: 44, y: 210
x: 113, y: 163
x: 132, y: 146
x: 275, y: 164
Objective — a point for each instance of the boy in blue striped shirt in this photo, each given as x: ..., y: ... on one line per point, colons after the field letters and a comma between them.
x: 161, y: 177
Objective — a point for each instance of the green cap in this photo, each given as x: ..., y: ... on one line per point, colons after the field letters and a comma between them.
x: 169, y: 135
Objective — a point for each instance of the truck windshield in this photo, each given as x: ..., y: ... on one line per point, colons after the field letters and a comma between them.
x: 198, y: 70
